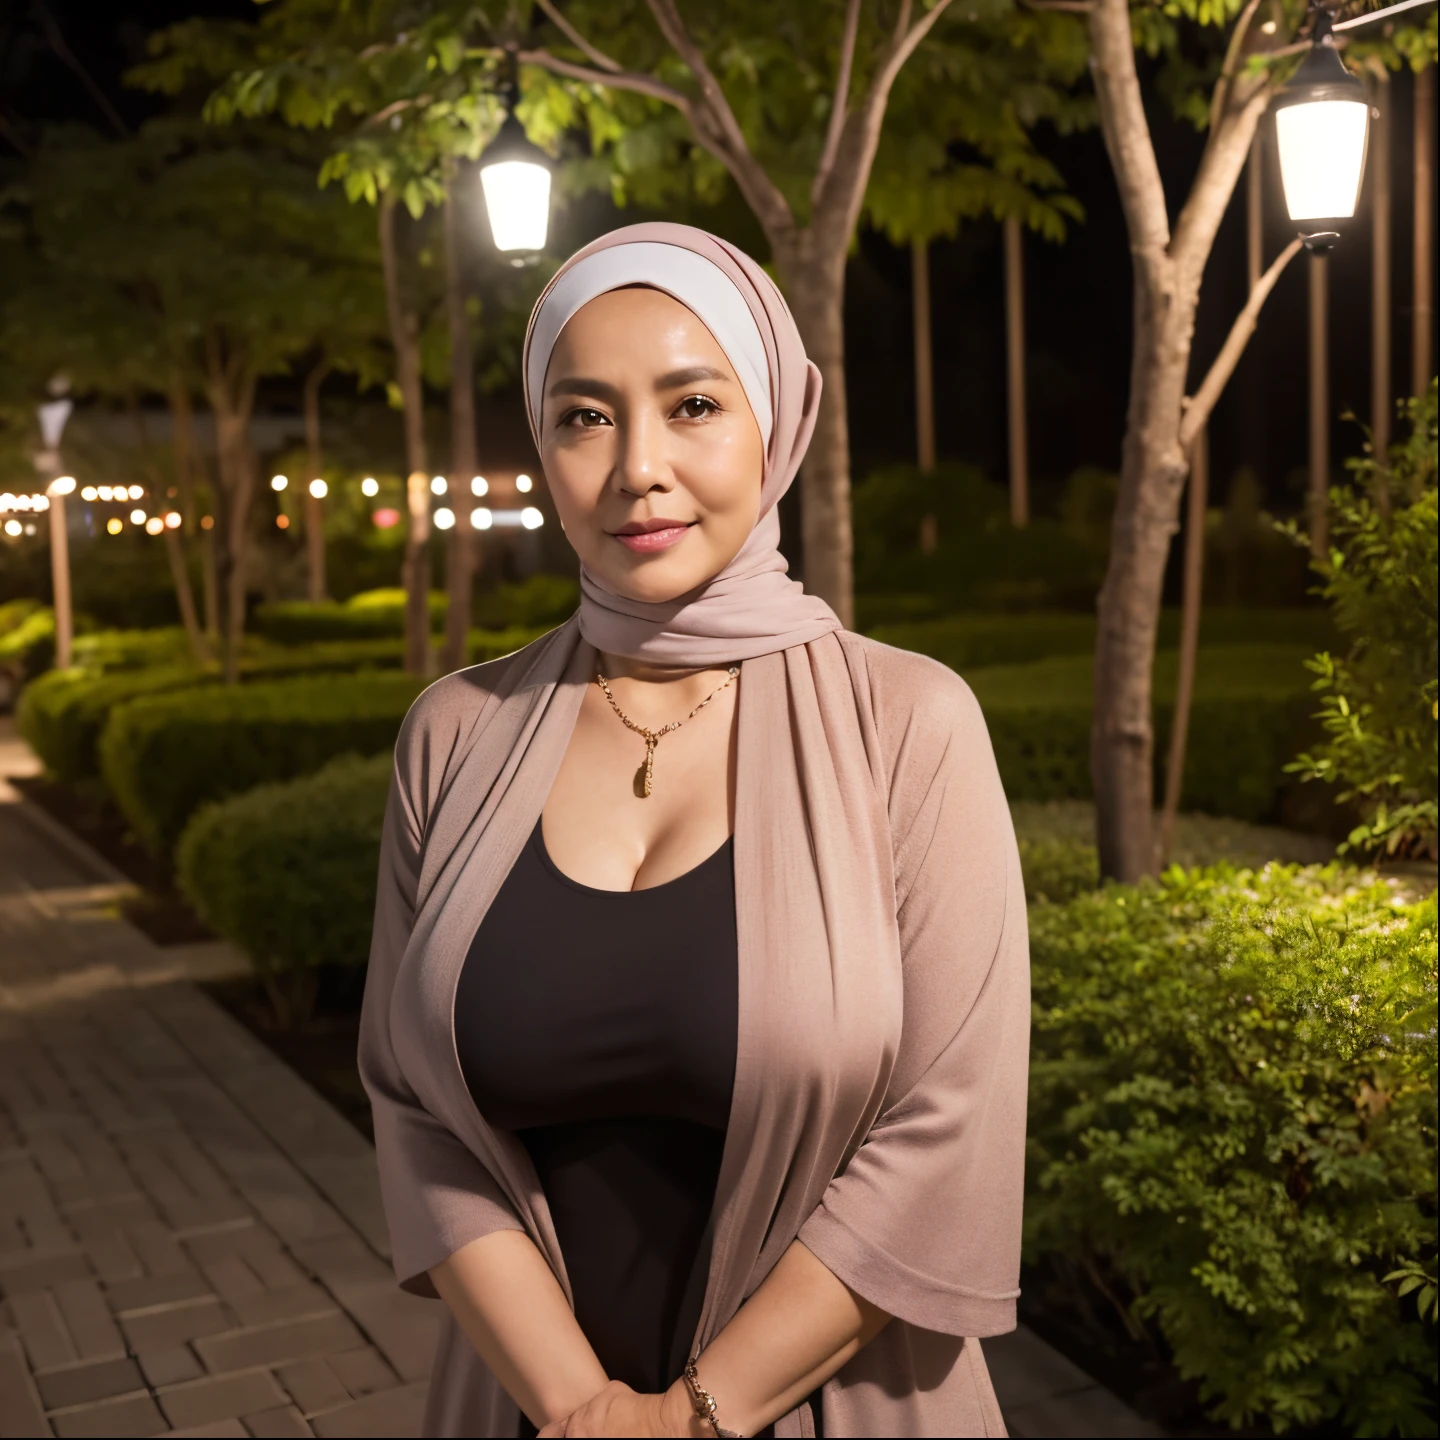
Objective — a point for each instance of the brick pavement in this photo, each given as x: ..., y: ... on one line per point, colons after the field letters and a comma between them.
x: 190, y: 1238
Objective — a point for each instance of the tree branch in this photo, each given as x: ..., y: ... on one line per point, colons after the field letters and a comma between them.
x: 1197, y: 411
x: 596, y: 55
x: 1221, y: 95
x: 902, y: 22
x: 861, y: 134
x: 631, y: 80
x: 770, y: 206
x: 1226, y: 150
x: 1126, y: 130
x: 840, y: 104
x: 1074, y: 7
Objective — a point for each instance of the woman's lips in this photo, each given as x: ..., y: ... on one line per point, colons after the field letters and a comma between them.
x: 648, y: 542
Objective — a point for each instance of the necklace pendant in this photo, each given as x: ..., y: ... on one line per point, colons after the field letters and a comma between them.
x: 645, y: 775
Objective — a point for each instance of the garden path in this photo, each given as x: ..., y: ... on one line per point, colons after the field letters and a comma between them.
x: 191, y: 1239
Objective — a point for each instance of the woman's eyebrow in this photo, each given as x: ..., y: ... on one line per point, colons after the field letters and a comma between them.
x: 582, y: 385
x: 690, y: 375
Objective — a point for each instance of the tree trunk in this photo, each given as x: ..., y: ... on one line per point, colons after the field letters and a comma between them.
x: 314, y: 505
x: 1189, y: 642
x: 182, y: 443
x: 1152, y: 473
x: 813, y: 274
x: 460, y: 544
x: 1422, y: 362
x: 60, y: 581
x: 231, y: 392
x: 1015, y: 373
x: 1168, y: 267
x: 1319, y: 488
x: 924, y: 356
x: 405, y: 337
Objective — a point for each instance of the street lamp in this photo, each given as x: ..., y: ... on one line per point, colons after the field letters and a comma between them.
x: 52, y: 416
x: 515, y: 178
x: 1322, y: 120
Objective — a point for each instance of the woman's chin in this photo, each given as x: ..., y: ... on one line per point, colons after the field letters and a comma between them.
x: 654, y: 579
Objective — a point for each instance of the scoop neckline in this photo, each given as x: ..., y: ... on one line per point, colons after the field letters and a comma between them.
x: 537, y: 839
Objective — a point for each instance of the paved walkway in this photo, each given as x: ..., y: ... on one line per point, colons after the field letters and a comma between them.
x: 191, y: 1240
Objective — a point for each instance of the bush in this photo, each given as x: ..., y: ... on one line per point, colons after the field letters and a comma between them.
x: 1249, y: 713
x: 287, y: 871
x: 131, y: 649
x: 1232, y: 1131
x: 62, y: 713
x: 539, y: 601
x: 28, y: 648
x: 371, y: 615
x: 1378, y: 703
x: 163, y: 756
x: 14, y: 613
x: 966, y: 641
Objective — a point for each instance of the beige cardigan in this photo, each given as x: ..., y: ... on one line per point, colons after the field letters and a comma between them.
x: 879, y: 1104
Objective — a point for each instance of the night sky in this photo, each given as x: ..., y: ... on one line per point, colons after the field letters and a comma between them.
x: 1077, y: 298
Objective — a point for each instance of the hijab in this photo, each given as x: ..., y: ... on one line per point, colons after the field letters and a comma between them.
x: 751, y: 607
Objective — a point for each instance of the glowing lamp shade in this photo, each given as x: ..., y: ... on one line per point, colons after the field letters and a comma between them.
x: 154, y: 525
x: 113, y: 526
x: 319, y: 489
x: 64, y: 485
x: 369, y: 486
x: 481, y: 518
x: 137, y: 517
x: 13, y: 527
x: 531, y: 518
x: 515, y: 176
x: 1322, y: 120
x: 279, y: 482
x: 444, y: 518
x: 479, y: 486
x: 1322, y: 155
x: 524, y: 484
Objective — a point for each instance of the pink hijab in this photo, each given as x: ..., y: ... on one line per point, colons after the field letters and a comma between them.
x: 751, y: 607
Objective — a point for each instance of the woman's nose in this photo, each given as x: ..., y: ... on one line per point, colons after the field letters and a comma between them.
x: 642, y: 463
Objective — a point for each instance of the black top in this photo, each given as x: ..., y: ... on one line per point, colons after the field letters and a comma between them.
x: 600, y: 1026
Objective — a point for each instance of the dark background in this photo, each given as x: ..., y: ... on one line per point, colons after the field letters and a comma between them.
x: 1077, y: 294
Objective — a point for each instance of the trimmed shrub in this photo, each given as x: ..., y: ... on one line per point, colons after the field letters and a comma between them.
x: 163, y: 756
x: 1249, y: 715
x: 28, y: 648
x: 970, y: 640
x: 131, y: 649
x: 287, y: 872
x: 539, y: 600
x: 371, y: 615
x: 62, y: 713
x: 1232, y: 1133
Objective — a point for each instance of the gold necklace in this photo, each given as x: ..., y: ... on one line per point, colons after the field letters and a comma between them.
x: 645, y: 775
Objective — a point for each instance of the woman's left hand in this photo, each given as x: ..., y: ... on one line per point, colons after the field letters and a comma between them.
x: 619, y: 1410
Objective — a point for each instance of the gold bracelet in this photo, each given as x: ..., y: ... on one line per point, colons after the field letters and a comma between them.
x: 704, y: 1403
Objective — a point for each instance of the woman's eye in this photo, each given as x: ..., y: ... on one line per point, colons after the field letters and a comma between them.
x: 696, y: 407
x: 586, y: 418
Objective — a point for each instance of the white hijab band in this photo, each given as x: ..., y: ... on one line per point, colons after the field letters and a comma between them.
x: 694, y: 281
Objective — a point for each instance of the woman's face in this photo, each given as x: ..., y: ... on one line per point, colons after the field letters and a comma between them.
x: 651, y: 450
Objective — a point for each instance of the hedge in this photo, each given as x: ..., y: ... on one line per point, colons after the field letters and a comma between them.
x: 1232, y: 1131
x: 371, y: 615
x: 537, y: 602
x: 163, y: 756
x: 1249, y: 716
x: 965, y: 642
x: 287, y: 871
x: 63, y: 712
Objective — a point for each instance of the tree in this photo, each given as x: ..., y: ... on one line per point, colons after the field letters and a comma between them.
x: 1379, y: 701
x: 387, y: 78
x: 1226, y: 95
x: 791, y: 106
x: 217, y: 246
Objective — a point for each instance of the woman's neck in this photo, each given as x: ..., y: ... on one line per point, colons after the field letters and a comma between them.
x: 646, y: 672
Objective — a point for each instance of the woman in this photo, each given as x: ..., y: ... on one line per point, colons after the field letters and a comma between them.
x: 696, y: 1021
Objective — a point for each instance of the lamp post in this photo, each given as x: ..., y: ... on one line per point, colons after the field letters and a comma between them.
x: 515, y: 179
x: 1322, y: 122
x: 52, y: 416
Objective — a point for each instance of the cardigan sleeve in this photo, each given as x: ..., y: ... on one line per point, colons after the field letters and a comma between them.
x: 438, y: 1196
x: 924, y: 1220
